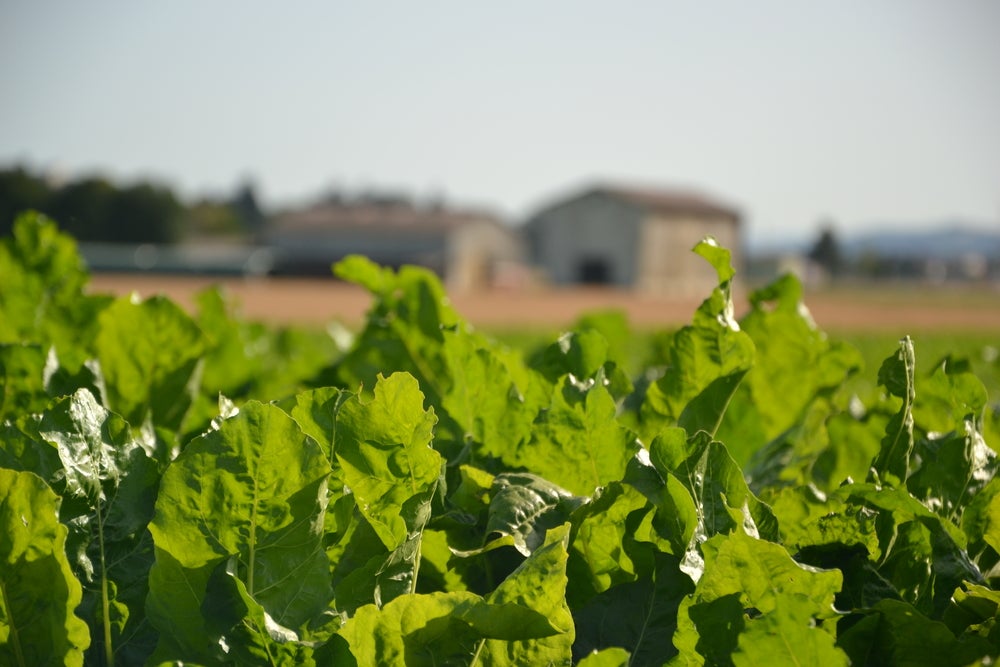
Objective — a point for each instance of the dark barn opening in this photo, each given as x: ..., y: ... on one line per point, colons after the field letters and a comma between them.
x: 594, y: 271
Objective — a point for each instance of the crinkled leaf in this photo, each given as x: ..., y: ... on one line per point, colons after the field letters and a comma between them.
x: 794, y: 363
x: 706, y: 362
x: 413, y: 630
x: 483, y: 397
x: 599, y: 553
x: 745, y: 581
x: 149, y: 352
x: 110, y: 486
x: 254, y: 490
x: 577, y: 442
x: 384, y: 449
x: 38, y: 592
x: 525, y: 506
x: 896, y: 375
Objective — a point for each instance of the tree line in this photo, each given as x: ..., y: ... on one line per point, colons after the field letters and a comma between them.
x: 93, y: 208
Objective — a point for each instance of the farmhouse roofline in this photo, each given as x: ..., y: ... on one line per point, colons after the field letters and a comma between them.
x: 376, y: 217
x: 667, y: 201
x: 651, y: 200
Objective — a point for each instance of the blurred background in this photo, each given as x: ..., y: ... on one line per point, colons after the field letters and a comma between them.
x: 543, y: 158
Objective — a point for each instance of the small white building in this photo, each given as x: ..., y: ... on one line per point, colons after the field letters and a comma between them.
x: 468, y: 249
x: 633, y: 238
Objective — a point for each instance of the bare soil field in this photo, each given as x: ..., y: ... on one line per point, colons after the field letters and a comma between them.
x: 902, y: 309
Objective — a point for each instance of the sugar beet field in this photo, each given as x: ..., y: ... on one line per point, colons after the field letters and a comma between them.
x: 226, y: 479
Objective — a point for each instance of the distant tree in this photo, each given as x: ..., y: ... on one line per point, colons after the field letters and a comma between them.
x: 144, y: 213
x: 212, y: 218
x: 244, y: 205
x: 826, y: 251
x: 20, y: 191
x: 83, y: 208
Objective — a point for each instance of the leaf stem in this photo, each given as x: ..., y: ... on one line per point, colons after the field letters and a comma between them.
x: 109, y: 653
x: 9, y: 613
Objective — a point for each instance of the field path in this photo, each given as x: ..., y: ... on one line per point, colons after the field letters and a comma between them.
x: 315, y: 301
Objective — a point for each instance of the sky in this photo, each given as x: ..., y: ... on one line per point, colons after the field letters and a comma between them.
x: 851, y: 112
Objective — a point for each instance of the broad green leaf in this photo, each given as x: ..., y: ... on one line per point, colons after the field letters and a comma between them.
x: 599, y: 554
x: 923, y: 555
x: 896, y: 375
x: 254, y: 490
x: 577, y: 442
x: 722, y: 498
x: 895, y: 634
x: 640, y: 616
x: 110, y: 487
x: 531, y: 602
x: 706, y: 363
x: 404, y: 331
x: 249, y: 634
x: 23, y: 368
x: 526, y: 507
x: 780, y: 638
x: 526, y: 619
x: 794, y: 363
x: 315, y: 412
x: 149, y: 352
x: 412, y: 630
x: 384, y: 449
x: 745, y: 582
x: 483, y: 398
x: 38, y: 591
x: 42, y: 295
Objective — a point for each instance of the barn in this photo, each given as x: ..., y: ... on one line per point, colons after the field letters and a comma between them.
x: 633, y: 238
x: 468, y: 249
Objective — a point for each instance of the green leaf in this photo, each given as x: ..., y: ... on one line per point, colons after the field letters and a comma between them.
x: 23, y: 368
x: 42, y: 295
x: 38, y: 591
x: 609, y: 657
x: 924, y: 555
x: 794, y: 364
x: 412, y: 630
x: 640, y: 616
x: 747, y: 582
x: 578, y: 443
x: 315, y: 412
x: 526, y: 619
x: 526, y: 506
x: 149, y: 352
x: 706, y: 362
x: 384, y: 449
x: 723, y: 500
x: 249, y: 634
x: 483, y: 397
x: 253, y: 490
x: 896, y: 375
x: 894, y: 633
x: 109, y: 487
x: 599, y: 554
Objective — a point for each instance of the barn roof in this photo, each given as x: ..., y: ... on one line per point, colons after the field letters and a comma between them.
x: 660, y: 200
x: 653, y: 199
x: 374, y: 216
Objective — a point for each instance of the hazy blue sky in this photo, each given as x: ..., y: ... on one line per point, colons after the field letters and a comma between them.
x: 857, y: 110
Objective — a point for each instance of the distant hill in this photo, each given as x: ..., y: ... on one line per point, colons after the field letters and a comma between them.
x: 945, y: 242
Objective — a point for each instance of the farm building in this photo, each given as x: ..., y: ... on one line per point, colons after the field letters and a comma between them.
x: 467, y: 249
x: 632, y: 238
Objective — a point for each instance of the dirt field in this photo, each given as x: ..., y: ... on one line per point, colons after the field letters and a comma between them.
x: 888, y: 309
